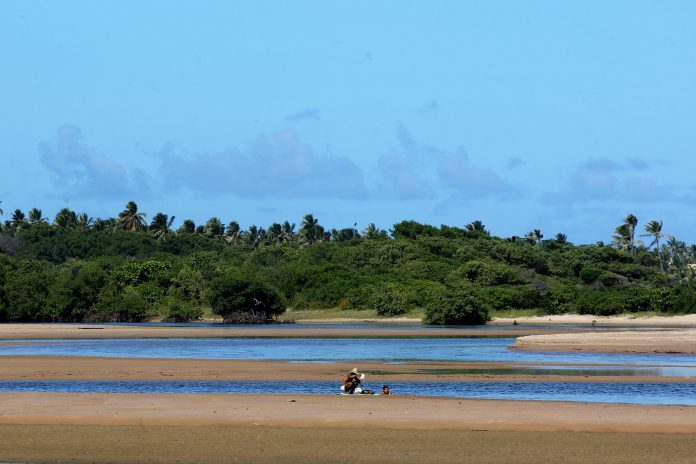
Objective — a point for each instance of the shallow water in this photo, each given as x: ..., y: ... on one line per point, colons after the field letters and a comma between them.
x: 643, y: 393
x: 332, y: 350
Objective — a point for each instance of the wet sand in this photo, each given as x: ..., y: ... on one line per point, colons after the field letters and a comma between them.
x: 672, y: 341
x: 81, y: 427
x: 93, y: 368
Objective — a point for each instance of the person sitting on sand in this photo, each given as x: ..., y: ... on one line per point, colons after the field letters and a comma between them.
x: 386, y: 391
x: 352, y: 381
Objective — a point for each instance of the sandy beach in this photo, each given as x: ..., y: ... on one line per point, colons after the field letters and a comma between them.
x: 40, y: 427
x: 100, y: 331
x: 672, y: 341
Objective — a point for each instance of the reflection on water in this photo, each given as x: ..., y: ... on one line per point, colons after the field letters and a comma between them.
x: 603, y: 392
x: 334, y: 350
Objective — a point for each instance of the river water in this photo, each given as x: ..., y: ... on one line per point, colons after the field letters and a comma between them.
x: 392, y: 350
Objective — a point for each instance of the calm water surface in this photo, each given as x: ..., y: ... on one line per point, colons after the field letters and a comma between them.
x: 332, y: 350
x: 614, y: 392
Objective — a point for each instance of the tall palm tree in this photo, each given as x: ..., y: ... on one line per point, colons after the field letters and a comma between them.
x: 131, y: 219
x: 535, y: 236
x: 66, y: 218
x: 310, y: 230
x: 187, y: 227
x: 631, y: 221
x: 677, y: 256
x: 101, y: 225
x: 561, y: 238
x: 161, y: 226
x: 19, y: 220
x: 654, y: 230
x: 215, y: 229
x: 84, y: 221
x: 477, y: 226
x: 288, y: 232
x: 622, y: 237
x: 233, y: 234
x: 275, y: 233
x: 254, y: 235
x: 36, y: 217
x: 1, y: 211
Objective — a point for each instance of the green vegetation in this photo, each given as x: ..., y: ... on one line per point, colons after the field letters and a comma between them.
x: 78, y: 268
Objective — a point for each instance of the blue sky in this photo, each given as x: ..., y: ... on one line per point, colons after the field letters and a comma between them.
x: 562, y: 116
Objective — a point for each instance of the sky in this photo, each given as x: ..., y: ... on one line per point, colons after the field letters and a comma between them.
x: 558, y: 116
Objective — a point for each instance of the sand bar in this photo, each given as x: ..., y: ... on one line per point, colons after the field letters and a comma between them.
x: 601, y: 321
x: 333, y: 411
x: 94, y: 368
x: 673, y: 341
x: 97, y: 331
x: 84, y: 427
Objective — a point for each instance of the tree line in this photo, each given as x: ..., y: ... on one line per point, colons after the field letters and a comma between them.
x: 79, y: 268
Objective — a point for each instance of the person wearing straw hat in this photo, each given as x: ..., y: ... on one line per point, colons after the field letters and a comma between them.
x: 352, y: 381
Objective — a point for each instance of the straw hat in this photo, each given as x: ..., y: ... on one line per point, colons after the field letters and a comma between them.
x: 354, y: 370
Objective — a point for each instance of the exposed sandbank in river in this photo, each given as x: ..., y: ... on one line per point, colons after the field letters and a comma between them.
x: 275, y: 428
x: 672, y: 341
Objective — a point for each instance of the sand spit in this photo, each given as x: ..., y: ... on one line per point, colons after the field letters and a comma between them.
x: 100, y: 331
x: 672, y: 341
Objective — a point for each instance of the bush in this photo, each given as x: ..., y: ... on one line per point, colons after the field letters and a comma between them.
x: 178, y: 311
x: 391, y: 299
x: 456, y: 306
x: 240, y: 300
x: 590, y: 274
x: 127, y: 305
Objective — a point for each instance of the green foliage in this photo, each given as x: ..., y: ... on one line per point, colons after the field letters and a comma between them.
x: 79, y: 269
x: 460, y: 306
x: 241, y: 300
x: 392, y: 299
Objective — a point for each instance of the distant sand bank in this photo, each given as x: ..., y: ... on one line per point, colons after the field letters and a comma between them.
x: 670, y: 341
x: 96, y: 331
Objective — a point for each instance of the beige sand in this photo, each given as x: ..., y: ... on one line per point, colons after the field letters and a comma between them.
x: 588, y: 319
x: 673, y: 341
x: 333, y: 411
x: 282, y: 429
x: 96, y: 331
x: 92, y: 368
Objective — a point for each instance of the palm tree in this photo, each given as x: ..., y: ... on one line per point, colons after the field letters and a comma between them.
x: 161, y: 226
x: 187, y: 227
x: 677, y: 254
x: 233, y: 234
x: 100, y: 224
x: 215, y: 229
x: 288, y: 232
x: 477, y: 226
x: 535, y: 236
x: 131, y: 219
x: 631, y: 221
x: 622, y: 237
x: 654, y: 230
x: 372, y: 232
x: 561, y: 238
x: 345, y: 235
x: 310, y: 230
x: 36, y: 217
x: 66, y: 218
x: 254, y: 236
x: 275, y: 233
x: 84, y: 222
x: 19, y: 220
x: 1, y: 211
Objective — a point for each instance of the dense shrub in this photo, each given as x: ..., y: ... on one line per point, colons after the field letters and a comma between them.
x: 460, y: 306
x: 240, y: 300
